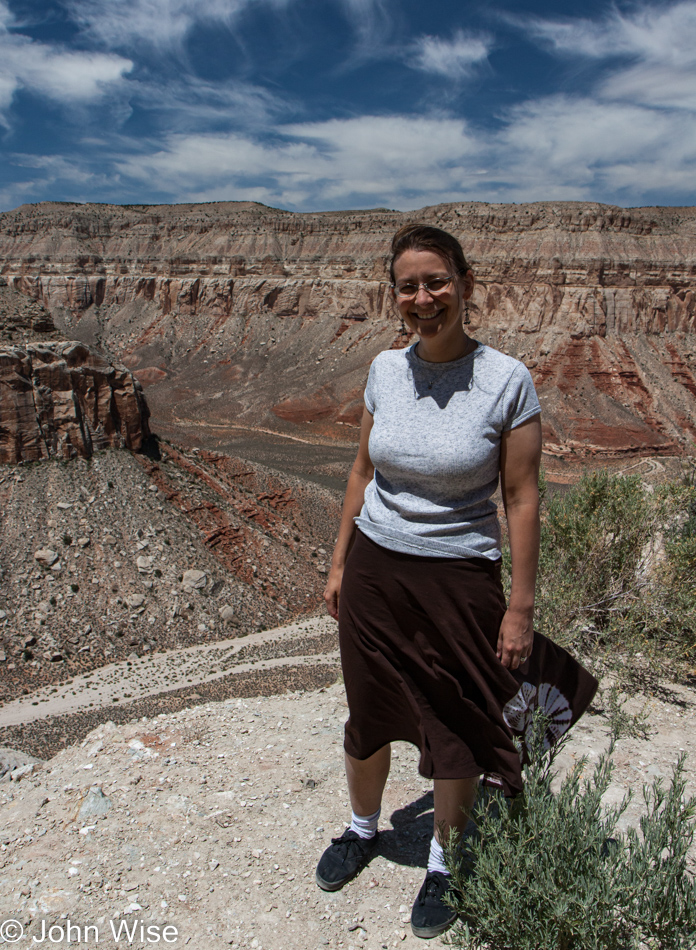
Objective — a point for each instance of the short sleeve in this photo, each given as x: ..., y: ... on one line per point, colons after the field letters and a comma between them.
x: 521, y: 402
x: 371, y: 389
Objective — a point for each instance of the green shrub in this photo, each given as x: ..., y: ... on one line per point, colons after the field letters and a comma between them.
x: 617, y: 570
x: 551, y: 871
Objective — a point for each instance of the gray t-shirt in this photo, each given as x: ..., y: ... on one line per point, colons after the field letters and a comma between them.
x: 435, y: 445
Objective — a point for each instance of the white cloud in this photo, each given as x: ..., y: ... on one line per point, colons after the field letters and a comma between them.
x: 372, y: 23
x: 660, y: 86
x: 455, y: 58
x: 391, y: 159
x: 652, y: 33
x: 559, y: 147
x: 659, y: 43
x: 189, y: 103
x: 156, y: 23
x: 54, y: 72
x: 597, y: 147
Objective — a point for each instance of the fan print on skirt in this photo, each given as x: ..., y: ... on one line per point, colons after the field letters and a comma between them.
x: 518, y: 713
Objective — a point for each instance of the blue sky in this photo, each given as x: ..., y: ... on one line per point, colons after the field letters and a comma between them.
x: 337, y: 104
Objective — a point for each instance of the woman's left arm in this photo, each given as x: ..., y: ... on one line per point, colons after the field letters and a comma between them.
x: 520, y: 457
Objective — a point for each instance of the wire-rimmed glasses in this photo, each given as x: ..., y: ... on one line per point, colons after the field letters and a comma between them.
x: 434, y: 286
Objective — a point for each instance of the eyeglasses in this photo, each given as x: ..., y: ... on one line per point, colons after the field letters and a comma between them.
x: 433, y: 287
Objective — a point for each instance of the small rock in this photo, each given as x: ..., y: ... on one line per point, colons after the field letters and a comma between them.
x: 19, y: 773
x: 83, y: 542
x: 152, y: 487
x: 214, y: 864
x: 135, y: 600
x: 64, y: 505
x: 46, y: 557
x: 2, y: 614
x: 57, y: 567
x: 12, y: 760
x: 94, y: 803
x: 56, y: 658
x: 144, y: 564
x: 227, y: 612
x: 194, y: 579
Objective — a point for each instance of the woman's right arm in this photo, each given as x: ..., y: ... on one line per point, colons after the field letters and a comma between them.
x: 360, y: 477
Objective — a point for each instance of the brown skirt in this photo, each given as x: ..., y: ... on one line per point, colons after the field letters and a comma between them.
x: 418, y: 639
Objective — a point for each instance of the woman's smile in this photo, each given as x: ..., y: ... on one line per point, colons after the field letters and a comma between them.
x: 435, y: 315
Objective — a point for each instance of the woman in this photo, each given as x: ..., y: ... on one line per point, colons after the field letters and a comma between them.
x: 430, y: 652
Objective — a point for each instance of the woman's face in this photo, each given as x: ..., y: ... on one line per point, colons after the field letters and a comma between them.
x: 433, y: 316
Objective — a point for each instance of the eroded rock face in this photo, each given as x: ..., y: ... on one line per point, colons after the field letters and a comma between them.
x: 237, y: 313
x: 65, y: 399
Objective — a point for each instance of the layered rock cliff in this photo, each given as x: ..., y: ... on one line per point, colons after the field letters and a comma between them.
x: 66, y: 400
x: 237, y: 313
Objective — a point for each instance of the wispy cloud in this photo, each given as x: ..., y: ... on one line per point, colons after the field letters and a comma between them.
x: 655, y: 33
x: 159, y: 24
x: 188, y: 104
x: 455, y: 58
x: 49, y: 70
x: 650, y: 53
x: 372, y: 23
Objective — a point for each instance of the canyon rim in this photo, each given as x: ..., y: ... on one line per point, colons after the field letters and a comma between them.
x: 233, y: 313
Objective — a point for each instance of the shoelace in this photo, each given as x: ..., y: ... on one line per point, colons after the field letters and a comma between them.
x: 347, y: 843
x: 432, y: 888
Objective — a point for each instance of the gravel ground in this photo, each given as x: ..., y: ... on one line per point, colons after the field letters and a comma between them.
x: 216, y: 815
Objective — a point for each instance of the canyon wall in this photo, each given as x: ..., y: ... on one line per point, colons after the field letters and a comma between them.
x: 65, y: 400
x: 234, y: 313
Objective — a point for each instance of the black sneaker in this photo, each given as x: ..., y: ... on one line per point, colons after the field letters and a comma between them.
x: 430, y: 915
x: 343, y: 859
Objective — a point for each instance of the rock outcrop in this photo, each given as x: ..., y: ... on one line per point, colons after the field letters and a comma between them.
x: 22, y: 318
x: 234, y: 312
x: 66, y: 400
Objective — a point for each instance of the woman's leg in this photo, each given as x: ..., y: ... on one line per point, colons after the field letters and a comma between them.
x: 454, y: 800
x: 366, y: 780
x: 347, y: 855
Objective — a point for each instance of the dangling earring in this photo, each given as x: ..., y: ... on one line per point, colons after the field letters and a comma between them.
x: 467, y: 318
x: 403, y: 326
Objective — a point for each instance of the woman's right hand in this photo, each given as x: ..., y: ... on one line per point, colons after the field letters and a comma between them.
x: 332, y: 591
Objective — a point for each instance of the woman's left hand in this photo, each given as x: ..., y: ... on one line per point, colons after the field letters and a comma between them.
x: 516, y: 638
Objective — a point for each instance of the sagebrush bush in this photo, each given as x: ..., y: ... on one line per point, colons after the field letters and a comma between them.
x: 551, y: 871
x: 617, y: 570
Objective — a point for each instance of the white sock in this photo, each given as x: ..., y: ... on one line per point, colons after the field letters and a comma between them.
x: 365, y: 827
x: 436, y: 859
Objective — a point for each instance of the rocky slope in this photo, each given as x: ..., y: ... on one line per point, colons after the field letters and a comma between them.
x: 234, y: 313
x: 212, y: 820
x: 123, y: 556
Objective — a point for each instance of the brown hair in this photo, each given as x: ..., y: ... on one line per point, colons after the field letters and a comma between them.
x: 424, y: 237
